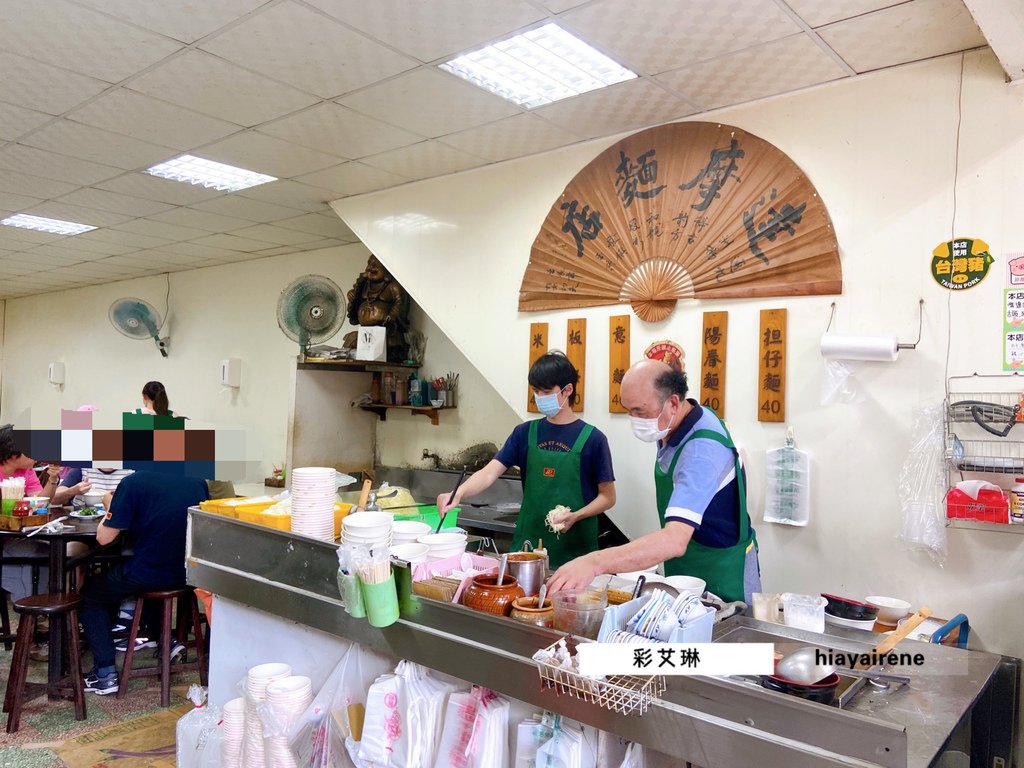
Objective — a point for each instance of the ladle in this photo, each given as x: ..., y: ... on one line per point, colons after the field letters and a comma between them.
x: 800, y: 666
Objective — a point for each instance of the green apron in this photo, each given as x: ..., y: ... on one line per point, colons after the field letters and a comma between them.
x: 552, y: 478
x: 720, y: 567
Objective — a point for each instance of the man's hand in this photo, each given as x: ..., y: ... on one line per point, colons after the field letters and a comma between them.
x: 442, y: 503
x: 564, y: 519
x: 576, y: 574
x: 82, y: 487
x: 52, y: 473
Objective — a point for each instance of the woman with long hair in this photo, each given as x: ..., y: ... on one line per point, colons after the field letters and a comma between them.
x: 154, y: 399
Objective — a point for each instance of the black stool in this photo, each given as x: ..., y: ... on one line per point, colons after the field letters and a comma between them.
x: 163, y: 669
x: 30, y: 609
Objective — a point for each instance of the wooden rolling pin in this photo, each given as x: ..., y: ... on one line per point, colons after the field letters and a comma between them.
x: 364, y: 495
x: 900, y: 634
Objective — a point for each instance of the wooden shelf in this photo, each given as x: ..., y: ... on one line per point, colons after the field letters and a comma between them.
x: 978, y: 525
x: 429, y: 411
x: 350, y: 366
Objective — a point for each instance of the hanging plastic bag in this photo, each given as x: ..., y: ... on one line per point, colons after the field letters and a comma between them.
x: 787, y: 494
x: 922, y: 486
x: 840, y: 385
x: 198, y: 733
x: 474, y: 731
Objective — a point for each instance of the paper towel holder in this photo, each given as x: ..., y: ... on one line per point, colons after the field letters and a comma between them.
x: 899, y: 344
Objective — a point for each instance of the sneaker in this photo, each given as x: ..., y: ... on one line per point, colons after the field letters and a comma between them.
x: 39, y: 652
x: 119, y: 629
x: 121, y: 646
x: 177, y: 649
x: 125, y: 616
x: 101, y: 685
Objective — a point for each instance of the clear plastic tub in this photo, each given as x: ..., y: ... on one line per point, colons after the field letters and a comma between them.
x: 804, y: 611
x: 579, y: 611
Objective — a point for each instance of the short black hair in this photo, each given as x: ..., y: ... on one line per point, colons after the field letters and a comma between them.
x: 671, y: 382
x: 554, y: 370
x: 8, y: 448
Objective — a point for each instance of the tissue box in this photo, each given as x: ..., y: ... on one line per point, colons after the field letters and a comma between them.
x: 617, y: 616
x: 991, y: 506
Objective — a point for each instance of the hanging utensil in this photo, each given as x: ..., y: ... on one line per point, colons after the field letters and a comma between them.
x: 542, y: 594
x: 451, y: 497
x: 501, y: 570
x: 364, y: 495
x: 640, y: 580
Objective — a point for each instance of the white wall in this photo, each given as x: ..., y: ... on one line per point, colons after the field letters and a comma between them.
x: 880, y: 150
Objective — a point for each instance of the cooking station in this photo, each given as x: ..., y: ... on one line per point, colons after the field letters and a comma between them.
x: 966, y: 700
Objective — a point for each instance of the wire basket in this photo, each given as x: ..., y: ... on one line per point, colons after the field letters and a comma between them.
x: 625, y: 694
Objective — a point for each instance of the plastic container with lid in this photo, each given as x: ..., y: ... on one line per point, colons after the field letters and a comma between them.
x: 804, y: 611
x: 1017, y: 501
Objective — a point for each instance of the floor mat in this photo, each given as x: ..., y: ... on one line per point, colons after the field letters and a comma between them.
x: 144, y: 742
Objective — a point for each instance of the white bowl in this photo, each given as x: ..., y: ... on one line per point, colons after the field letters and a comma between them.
x: 443, y: 540
x: 890, y: 609
x: 412, y: 553
x: 92, y: 498
x: 437, y: 403
x: 839, y: 621
x: 368, y: 521
x: 410, y: 529
x: 686, y: 584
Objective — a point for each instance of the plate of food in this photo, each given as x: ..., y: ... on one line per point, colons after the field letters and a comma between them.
x: 87, y: 513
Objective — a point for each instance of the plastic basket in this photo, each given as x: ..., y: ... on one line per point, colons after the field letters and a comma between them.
x: 991, y: 506
x: 226, y: 507
x: 445, y: 567
x: 617, y: 616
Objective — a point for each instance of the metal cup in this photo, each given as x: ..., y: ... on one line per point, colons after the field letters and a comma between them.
x: 529, y: 569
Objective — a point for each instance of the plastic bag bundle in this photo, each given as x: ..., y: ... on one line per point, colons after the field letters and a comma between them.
x: 403, y: 718
x: 549, y: 742
x: 198, y: 733
x: 922, y: 485
x: 475, y: 731
x: 787, y: 493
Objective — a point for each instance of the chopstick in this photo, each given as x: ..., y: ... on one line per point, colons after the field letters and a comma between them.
x: 451, y: 496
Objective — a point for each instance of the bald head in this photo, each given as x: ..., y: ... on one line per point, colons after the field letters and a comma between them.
x: 648, y: 384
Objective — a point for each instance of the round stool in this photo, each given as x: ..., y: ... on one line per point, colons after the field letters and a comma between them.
x: 30, y: 609
x: 163, y: 669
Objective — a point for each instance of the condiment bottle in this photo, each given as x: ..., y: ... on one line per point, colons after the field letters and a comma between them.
x: 1017, y: 501
x: 389, y: 388
x: 375, y: 388
x: 401, y: 391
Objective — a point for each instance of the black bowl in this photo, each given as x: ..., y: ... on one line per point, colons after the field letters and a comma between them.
x: 823, y: 692
x: 845, y: 608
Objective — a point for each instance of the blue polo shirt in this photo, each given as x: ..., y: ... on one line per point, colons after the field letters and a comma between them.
x: 153, y: 509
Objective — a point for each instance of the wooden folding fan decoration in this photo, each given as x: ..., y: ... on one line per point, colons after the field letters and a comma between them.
x: 681, y: 211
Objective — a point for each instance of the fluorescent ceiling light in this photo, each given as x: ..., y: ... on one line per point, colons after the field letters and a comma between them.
x: 538, y: 67
x: 56, y: 226
x: 210, y: 174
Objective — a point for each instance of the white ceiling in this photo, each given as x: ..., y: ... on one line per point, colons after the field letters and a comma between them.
x: 342, y: 97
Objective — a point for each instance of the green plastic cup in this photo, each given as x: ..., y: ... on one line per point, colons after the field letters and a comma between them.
x: 381, y: 601
x: 8, y: 506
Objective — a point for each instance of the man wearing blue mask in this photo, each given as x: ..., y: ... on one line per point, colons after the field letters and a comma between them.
x: 702, y: 501
x: 562, y: 461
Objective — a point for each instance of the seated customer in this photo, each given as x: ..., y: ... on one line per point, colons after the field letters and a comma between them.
x: 152, y: 508
x: 79, y: 481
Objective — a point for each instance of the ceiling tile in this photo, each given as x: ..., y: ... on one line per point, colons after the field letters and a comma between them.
x: 776, y: 67
x: 102, y: 272
x: 161, y: 190
x: 77, y: 213
x: 296, y: 45
x: 116, y: 236
x: 30, y: 83
x: 423, y: 160
x: 246, y: 208
x: 557, y: 6
x: 915, y: 30
x: 86, y: 250
x: 266, y: 154
x: 97, y: 145
x: 353, y: 179
x: 36, y: 186
x: 330, y: 242
x: 291, y: 194
x: 48, y: 256
x: 211, y: 222
x: 644, y: 35
x: 199, y: 252
x: 49, y: 165
x: 161, y: 229
x: 422, y: 102
x: 165, y: 258
x: 434, y: 29
x: 12, y: 202
x: 282, y: 250
x: 233, y: 243
x: 623, y: 107
x: 333, y: 128
x: 134, y: 114
x: 139, y: 260
x: 515, y: 136
x: 277, y: 235
x: 216, y: 87
x: 112, y: 201
x: 325, y: 225
x: 79, y: 39
x: 184, y: 20
x: 10, y: 269
x: 816, y: 13
x: 16, y: 121
x: 18, y: 239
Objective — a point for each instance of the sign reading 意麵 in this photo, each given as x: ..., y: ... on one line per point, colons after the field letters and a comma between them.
x: 771, y: 375
x: 538, y: 348
x: 618, y: 359
x: 679, y: 211
x: 712, y: 361
x: 576, y: 351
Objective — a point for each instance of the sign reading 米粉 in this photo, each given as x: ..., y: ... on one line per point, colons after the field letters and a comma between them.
x: 961, y: 263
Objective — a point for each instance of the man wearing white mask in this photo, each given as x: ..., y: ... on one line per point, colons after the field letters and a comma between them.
x: 562, y: 461
x: 701, y: 494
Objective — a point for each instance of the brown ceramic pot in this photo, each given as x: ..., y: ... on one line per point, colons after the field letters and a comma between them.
x: 485, y: 595
x: 525, y: 609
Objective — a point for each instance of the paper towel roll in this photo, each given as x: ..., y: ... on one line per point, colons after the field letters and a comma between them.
x: 882, y: 348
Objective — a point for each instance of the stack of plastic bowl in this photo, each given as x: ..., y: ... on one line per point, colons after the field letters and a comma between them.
x: 289, y: 698
x: 367, y: 529
x: 312, y: 499
x: 256, y: 682
x: 408, y: 531
x: 442, y: 545
x: 234, y: 730
x: 411, y: 553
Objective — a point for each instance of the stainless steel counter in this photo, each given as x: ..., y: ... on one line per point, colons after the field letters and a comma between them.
x: 711, y: 722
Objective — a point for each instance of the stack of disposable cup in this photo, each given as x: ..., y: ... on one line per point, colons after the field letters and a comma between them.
x: 314, y: 491
x: 234, y: 730
x: 256, y: 682
x: 289, y: 698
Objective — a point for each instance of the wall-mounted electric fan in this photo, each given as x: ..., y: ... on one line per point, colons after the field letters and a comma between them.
x: 137, y: 319
x: 311, y: 310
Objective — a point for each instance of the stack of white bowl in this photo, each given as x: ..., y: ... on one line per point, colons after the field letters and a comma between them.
x: 367, y: 529
x: 313, y: 495
x: 231, y: 736
x: 256, y: 682
x: 442, y: 545
x: 289, y: 698
x: 408, y: 531
x: 411, y: 553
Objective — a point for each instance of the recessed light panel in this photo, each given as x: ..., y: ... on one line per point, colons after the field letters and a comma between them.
x: 538, y: 67
x: 209, y: 174
x: 55, y: 226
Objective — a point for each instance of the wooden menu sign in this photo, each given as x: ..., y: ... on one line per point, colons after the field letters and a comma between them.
x: 538, y: 348
x: 771, y: 381
x: 712, y: 361
x: 576, y: 351
x: 618, y: 359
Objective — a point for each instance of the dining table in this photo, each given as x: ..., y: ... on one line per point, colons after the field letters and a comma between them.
x: 56, y: 538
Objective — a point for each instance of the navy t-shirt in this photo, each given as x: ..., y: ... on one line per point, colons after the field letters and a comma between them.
x: 153, y: 508
x: 595, y: 459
